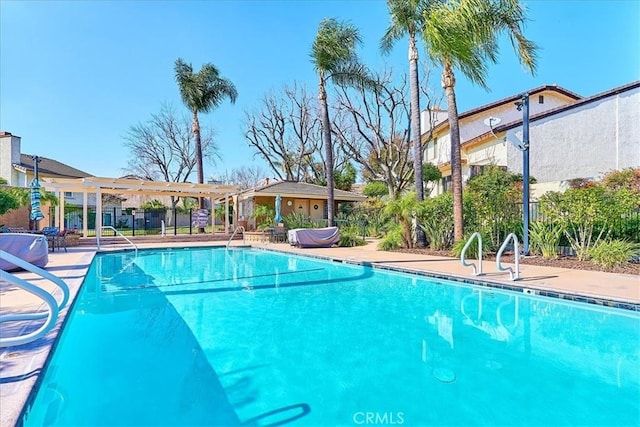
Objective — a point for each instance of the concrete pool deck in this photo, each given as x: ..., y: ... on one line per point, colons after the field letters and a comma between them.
x: 20, y: 366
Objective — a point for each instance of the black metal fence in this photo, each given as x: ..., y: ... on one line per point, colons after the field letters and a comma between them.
x: 138, y: 222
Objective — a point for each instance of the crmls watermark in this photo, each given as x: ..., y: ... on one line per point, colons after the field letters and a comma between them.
x: 378, y: 418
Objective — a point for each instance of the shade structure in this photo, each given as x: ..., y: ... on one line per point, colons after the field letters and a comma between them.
x: 278, y: 217
x: 36, y: 213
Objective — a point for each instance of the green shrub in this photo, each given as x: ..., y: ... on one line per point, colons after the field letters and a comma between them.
x: 587, y: 215
x: 544, y: 238
x: 349, y: 238
x: 263, y: 215
x: 436, y: 220
x: 613, y: 253
x: 393, y: 239
x: 7, y: 202
x: 472, y: 251
x: 297, y: 220
x: 400, y: 212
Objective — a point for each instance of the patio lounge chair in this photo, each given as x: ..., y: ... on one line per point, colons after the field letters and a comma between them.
x: 314, y: 237
x: 32, y: 248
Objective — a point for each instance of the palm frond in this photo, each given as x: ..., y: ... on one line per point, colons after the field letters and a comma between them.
x: 353, y: 74
x: 466, y: 33
x: 205, y: 90
x: 391, y: 35
x: 335, y: 44
x: 407, y: 18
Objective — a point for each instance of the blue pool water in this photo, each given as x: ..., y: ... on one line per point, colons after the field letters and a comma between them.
x: 216, y: 337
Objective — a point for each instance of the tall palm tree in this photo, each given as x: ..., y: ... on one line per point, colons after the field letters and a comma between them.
x: 407, y: 19
x: 334, y: 57
x: 463, y: 35
x: 202, y: 92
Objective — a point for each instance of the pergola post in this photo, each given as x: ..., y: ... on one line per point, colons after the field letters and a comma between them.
x: 85, y: 214
x: 57, y: 209
x: 61, y: 224
x: 98, y: 214
x: 226, y: 213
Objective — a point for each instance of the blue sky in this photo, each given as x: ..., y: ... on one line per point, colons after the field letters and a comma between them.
x: 75, y: 75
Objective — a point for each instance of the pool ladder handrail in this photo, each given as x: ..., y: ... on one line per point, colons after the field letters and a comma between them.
x: 235, y: 231
x: 514, y: 275
x: 476, y: 271
x: 53, y: 307
x: 108, y: 227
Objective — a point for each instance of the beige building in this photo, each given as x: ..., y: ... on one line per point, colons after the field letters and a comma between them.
x: 570, y: 136
x: 477, y: 148
x: 309, y: 200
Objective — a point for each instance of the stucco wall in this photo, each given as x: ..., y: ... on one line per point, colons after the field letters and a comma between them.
x: 583, y: 142
x: 9, y: 154
x: 491, y: 153
x: 472, y: 126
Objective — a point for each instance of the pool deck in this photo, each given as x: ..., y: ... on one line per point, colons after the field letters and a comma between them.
x: 20, y: 366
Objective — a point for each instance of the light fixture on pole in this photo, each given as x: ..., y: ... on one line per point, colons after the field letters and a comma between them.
x: 523, y: 105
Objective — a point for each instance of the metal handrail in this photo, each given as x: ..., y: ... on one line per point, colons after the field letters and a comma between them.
x: 108, y: 227
x: 234, y: 234
x: 478, y: 271
x: 515, y: 275
x: 54, y: 308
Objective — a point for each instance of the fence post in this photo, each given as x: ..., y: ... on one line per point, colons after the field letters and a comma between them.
x: 175, y: 221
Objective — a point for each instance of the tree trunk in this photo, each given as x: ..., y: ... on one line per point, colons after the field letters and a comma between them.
x: 200, y: 172
x: 415, y: 117
x: 414, y: 85
x: 448, y: 84
x: 328, y: 150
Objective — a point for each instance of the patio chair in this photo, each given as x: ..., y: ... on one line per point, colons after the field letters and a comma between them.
x: 278, y: 234
x: 55, y: 238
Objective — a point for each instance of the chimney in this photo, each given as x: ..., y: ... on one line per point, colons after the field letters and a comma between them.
x: 266, y: 181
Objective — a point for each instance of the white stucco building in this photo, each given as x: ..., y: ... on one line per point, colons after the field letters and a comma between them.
x: 570, y: 136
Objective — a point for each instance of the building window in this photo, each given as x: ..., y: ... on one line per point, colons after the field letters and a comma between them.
x: 540, y: 99
x: 431, y: 150
x: 476, y: 170
x: 446, y: 184
x: 68, y: 194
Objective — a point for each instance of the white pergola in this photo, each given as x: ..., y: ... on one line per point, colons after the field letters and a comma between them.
x: 118, y: 186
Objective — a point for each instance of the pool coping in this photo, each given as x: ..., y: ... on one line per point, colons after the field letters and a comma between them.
x: 17, y: 395
x: 582, y: 297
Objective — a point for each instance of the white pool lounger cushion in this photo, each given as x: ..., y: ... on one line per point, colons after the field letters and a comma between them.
x: 32, y: 248
x: 314, y: 237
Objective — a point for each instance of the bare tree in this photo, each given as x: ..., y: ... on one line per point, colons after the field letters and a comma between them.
x: 375, y: 131
x: 285, y: 132
x: 163, y: 148
x: 244, y: 177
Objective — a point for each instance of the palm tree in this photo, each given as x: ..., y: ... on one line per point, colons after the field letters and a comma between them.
x: 463, y: 35
x: 407, y: 18
x: 202, y: 92
x: 334, y: 57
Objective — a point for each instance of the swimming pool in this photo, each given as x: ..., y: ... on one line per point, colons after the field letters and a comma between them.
x: 227, y: 337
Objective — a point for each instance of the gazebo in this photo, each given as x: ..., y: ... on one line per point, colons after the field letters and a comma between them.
x: 307, y: 199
